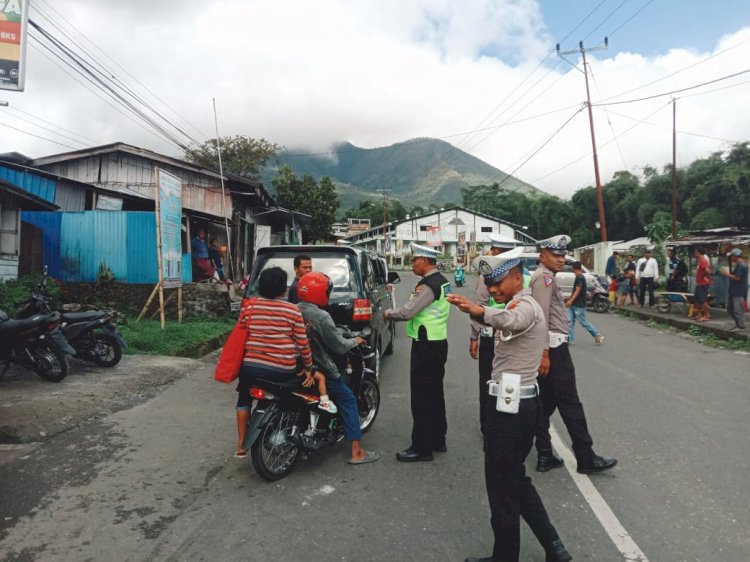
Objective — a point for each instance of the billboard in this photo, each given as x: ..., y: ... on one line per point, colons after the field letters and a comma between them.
x: 170, y: 229
x: 434, y: 237
x: 14, y: 15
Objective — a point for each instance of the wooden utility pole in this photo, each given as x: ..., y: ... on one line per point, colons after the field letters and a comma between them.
x: 674, y: 168
x: 384, y: 194
x: 599, y: 194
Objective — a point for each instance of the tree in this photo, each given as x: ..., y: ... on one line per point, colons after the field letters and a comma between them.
x: 240, y: 154
x: 306, y: 196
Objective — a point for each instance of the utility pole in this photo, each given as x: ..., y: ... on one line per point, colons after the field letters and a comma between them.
x: 599, y: 195
x: 674, y: 168
x: 384, y: 195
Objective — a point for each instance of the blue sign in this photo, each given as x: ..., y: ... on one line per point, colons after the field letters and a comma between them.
x: 170, y: 227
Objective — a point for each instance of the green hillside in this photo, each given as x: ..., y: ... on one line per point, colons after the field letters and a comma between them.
x: 419, y: 171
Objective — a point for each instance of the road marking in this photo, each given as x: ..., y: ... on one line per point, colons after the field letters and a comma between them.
x: 617, y: 533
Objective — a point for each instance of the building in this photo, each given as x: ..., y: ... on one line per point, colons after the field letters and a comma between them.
x: 456, y: 233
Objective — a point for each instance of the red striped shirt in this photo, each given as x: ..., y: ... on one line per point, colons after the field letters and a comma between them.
x: 276, y: 335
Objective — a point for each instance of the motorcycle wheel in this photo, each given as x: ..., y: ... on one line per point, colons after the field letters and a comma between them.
x: 368, y: 403
x: 274, y: 453
x: 49, y: 363
x: 106, y: 351
x: 601, y: 304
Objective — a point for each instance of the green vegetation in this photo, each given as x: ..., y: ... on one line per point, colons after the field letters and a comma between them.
x: 240, y: 154
x: 308, y: 196
x: 13, y: 292
x: 187, y: 339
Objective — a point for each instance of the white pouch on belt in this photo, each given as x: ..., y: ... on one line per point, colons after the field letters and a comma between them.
x: 509, y: 393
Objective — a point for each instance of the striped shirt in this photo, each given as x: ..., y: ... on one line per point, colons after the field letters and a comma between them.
x: 276, y: 335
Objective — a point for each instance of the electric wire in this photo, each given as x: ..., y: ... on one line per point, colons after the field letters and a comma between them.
x: 609, y: 121
x: 606, y: 19
x: 29, y: 121
x: 627, y: 21
x: 79, y: 135
x: 37, y: 136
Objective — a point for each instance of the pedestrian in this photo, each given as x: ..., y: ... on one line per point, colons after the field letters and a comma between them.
x: 426, y: 314
x: 629, y: 271
x: 276, y: 337
x: 703, y: 280
x: 201, y: 266
x: 214, y: 255
x: 623, y: 287
x: 482, y: 338
x: 302, y: 264
x: 557, y: 381
x: 737, y: 289
x: 576, y: 306
x: 677, y: 272
x: 611, y: 268
x: 647, y: 274
x: 513, y: 409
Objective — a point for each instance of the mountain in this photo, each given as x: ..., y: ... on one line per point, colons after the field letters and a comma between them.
x: 418, y: 171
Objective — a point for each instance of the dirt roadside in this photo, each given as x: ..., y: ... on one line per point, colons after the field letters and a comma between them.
x: 33, y: 410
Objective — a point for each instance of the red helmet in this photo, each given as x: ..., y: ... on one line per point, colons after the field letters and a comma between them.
x: 314, y: 287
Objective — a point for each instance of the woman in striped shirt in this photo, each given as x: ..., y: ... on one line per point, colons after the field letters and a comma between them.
x: 276, y: 337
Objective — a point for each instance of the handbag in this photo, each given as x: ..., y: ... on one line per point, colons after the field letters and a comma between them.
x: 230, y: 360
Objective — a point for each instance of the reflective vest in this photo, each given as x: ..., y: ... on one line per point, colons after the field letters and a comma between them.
x: 431, y: 323
x: 501, y: 305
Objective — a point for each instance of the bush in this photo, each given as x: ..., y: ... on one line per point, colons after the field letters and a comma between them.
x: 13, y: 292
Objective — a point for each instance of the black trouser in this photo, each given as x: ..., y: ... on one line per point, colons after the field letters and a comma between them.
x: 427, y: 398
x: 647, y: 283
x: 558, y: 390
x: 486, y: 356
x: 510, y: 492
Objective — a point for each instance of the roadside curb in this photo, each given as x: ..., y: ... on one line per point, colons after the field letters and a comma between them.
x: 682, y: 323
x: 205, y: 347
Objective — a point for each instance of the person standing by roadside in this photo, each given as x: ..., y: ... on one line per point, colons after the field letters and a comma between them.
x: 214, y: 254
x: 629, y: 271
x: 647, y: 273
x: 557, y: 373
x: 522, y: 335
x: 302, y: 265
x: 611, y: 268
x: 737, y: 289
x: 427, y: 315
x: 702, y: 284
x: 576, y: 306
x: 201, y: 266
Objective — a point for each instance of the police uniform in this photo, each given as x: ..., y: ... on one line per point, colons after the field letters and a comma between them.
x: 426, y: 314
x: 521, y: 334
x: 558, y: 388
x: 484, y: 335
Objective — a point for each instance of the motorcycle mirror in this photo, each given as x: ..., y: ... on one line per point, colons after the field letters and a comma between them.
x: 393, y: 277
x: 366, y: 332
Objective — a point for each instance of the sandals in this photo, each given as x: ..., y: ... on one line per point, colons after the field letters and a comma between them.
x: 370, y: 456
x: 241, y: 454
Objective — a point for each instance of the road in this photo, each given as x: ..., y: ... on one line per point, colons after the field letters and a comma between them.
x: 158, y: 482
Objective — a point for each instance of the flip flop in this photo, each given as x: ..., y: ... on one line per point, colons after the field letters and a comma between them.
x: 370, y: 456
x: 240, y: 454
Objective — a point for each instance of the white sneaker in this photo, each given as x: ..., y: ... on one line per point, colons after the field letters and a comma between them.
x: 326, y: 405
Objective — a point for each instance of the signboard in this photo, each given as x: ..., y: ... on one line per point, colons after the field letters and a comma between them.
x: 461, y: 243
x: 13, y: 21
x: 170, y: 226
x: 433, y: 236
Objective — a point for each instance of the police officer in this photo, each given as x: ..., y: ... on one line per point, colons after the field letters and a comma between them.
x: 557, y: 372
x: 521, y: 334
x: 481, y: 338
x: 427, y: 326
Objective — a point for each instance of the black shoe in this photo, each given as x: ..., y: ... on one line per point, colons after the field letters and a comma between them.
x: 488, y: 559
x: 557, y: 553
x: 440, y: 449
x: 596, y: 464
x: 410, y: 455
x: 548, y: 462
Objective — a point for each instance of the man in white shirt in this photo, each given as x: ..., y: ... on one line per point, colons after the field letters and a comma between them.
x: 647, y: 273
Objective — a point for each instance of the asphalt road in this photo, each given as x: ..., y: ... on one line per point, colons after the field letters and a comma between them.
x: 158, y: 482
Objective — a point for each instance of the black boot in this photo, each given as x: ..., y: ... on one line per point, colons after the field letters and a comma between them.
x: 556, y: 552
x: 548, y: 461
x: 595, y: 464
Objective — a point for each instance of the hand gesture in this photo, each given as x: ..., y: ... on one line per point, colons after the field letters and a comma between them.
x: 465, y: 305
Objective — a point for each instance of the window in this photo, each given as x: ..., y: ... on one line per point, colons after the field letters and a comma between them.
x: 486, y: 229
x: 423, y: 228
x: 8, y: 230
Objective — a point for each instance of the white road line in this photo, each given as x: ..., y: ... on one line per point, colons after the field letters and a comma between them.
x: 617, y: 533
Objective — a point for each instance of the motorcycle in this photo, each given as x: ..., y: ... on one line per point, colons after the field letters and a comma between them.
x: 36, y: 343
x: 597, y: 296
x: 459, y: 276
x: 93, y: 334
x: 287, y: 422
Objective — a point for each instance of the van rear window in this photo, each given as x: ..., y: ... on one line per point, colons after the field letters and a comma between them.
x: 336, y: 267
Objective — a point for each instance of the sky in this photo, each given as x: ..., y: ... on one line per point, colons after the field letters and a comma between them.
x: 480, y: 74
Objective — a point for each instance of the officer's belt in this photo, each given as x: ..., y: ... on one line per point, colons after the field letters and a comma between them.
x: 487, y: 332
x: 556, y: 339
x: 528, y: 391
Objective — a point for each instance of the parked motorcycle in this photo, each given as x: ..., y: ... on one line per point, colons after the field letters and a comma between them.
x: 459, y: 276
x: 36, y: 343
x: 287, y: 421
x: 597, y: 296
x: 93, y: 334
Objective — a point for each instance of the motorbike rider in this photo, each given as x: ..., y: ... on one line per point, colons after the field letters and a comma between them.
x: 313, y: 292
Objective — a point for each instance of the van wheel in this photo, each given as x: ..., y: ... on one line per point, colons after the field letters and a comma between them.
x: 389, y: 350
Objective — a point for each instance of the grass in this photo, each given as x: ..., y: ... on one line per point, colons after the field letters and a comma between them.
x: 187, y: 339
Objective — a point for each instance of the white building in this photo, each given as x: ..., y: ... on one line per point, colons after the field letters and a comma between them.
x: 453, y: 232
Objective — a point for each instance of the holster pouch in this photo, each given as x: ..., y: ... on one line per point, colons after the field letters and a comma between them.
x: 487, y: 332
x: 509, y: 393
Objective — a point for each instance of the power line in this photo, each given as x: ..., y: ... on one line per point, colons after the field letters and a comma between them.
x: 37, y: 136
x: 606, y: 19
x: 609, y: 121
x: 611, y: 33
x: 49, y: 130
x: 19, y: 110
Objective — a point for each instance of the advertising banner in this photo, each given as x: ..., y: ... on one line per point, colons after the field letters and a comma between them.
x: 433, y: 236
x: 461, y: 243
x: 13, y: 20
x: 170, y: 221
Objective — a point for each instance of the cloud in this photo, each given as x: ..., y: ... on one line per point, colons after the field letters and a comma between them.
x: 309, y: 74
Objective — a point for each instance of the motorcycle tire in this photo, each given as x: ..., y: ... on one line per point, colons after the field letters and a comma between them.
x: 274, y: 453
x: 49, y: 363
x: 368, y: 403
x: 106, y: 351
x: 601, y: 305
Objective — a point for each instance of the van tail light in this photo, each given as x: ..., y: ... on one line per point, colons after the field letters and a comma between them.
x: 362, y: 310
x: 260, y: 394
